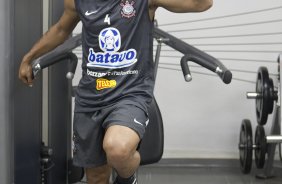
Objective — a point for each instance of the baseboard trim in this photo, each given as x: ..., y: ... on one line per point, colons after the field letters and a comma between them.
x: 197, y: 163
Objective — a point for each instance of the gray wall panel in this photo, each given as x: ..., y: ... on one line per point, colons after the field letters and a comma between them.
x: 5, y: 134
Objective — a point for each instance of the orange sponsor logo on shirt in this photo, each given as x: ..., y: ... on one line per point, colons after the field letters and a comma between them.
x: 105, y: 83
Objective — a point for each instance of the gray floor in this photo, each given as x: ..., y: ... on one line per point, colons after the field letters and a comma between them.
x: 203, y: 172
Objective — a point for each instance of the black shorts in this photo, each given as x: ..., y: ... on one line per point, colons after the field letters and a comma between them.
x: 89, y: 130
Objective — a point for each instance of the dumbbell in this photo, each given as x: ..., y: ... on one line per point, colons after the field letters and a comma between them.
x: 246, y: 145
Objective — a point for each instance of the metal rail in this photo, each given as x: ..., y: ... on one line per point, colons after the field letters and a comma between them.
x: 56, y: 55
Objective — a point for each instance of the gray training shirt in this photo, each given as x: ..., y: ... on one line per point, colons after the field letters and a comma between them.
x: 117, y: 41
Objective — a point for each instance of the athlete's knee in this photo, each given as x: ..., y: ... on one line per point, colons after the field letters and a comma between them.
x: 117, y: 150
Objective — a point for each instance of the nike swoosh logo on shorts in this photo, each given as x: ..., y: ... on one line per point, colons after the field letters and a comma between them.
x: 146, y: 123
x: 90, y: 13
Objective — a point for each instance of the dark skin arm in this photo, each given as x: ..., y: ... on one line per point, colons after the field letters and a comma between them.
x: 55, y: 36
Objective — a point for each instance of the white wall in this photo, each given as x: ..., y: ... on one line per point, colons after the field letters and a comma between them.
x: 202, y: 118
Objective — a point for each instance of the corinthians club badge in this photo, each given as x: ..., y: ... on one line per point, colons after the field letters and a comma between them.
x: 127, y: 10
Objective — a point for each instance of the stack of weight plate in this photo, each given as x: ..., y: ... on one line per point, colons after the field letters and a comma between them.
x: 265, y: 96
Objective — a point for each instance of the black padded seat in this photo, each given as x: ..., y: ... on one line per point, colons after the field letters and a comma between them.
x: 151, y: 146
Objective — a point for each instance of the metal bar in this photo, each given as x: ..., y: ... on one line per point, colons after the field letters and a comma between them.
x: 56, y: 55
x: 157, y: 58
x: 158, y: 53
x: 274, y: 139
x: 59, y: 103
x: 198, y: 56
x: 253, y: 95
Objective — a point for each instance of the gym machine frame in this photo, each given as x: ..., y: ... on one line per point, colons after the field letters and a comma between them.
x: 190, y: 54
x: 156, y: 148
x: 264, y: 145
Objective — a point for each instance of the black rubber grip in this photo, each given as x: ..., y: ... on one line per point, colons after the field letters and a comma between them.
x: 226, y: 77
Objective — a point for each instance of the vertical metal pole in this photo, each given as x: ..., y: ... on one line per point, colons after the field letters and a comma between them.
x: 45, y: 79
x: 59, y: 108
x: 158, y: 54
x: 157, y: 57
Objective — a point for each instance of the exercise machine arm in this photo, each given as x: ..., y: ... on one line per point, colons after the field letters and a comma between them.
x: 193, y: 54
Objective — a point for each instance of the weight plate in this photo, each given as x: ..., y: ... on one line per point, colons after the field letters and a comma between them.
x: 246, y: 146
x: 272, y: 96
x: 261, y: 147
x: 262, y: 103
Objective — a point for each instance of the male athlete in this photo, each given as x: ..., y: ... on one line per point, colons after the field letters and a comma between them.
x: 117, y: 81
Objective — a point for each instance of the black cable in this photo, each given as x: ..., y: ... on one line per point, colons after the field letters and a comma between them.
x: 233, y: 59
x: 251, y: 51
x: 251, y: 72
x: 224, y: 16
x: 232, y: 70
x: 243, y: 80
x: 229, y: 44
x: 260, y: 51
x: 223, y: 59
x: 213, y: 75
x: 231, y: 36
x: 49, y: 168
x: 247, y: 60
x: 168, y: 56
x: 226, y: 26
